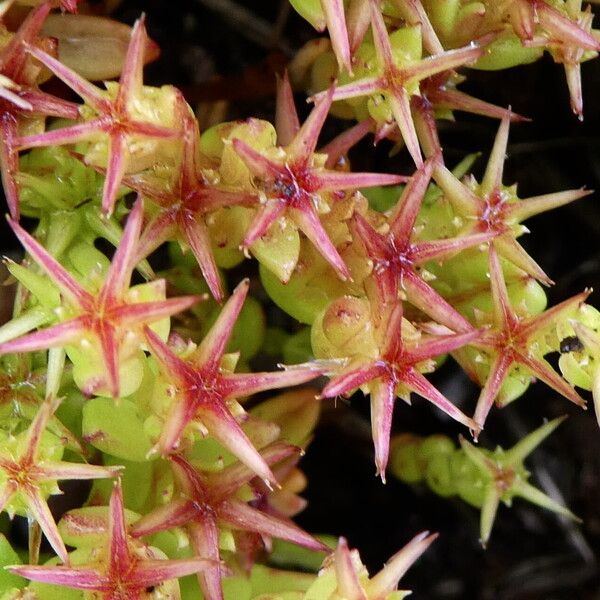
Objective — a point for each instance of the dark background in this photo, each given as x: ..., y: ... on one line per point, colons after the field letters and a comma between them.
x: 214, y: 54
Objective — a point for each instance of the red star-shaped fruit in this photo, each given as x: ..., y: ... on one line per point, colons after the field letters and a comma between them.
x: 124, y: 572
x: 114, y: 116
x: 205, y: 501
x: 108, y: 317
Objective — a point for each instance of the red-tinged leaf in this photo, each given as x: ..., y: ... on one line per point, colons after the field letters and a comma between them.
x: 197, y: 236
x: 511, y: 250
x: 131, y: 80
x: 83, y: 578
x: 240, y: 385
x: 425, y: 298
x: 352, y: 378
x: 336, y: 25
x: 226, y: 430
x: 386, y: 581
x: 563, y: 28
x: 255, y: 161
x: 341, y: 145
x: 9, y: 163
x: 119, y: 557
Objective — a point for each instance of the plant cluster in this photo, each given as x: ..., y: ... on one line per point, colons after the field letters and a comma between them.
x: 144, y: 382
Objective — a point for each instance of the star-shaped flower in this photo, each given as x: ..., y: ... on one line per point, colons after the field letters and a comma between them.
x: 396, y: 257
x: 115, y: 117
x: 397, y: 371
x: 512, y: 340
x: 124, y: 571
x: 201, y: 388
x: 503, y: 476
x: 295, y: 184
x: 30, y: 467
x: 110, y: 318
x: 184, y: 205
x: 398, y: 81
x: 19, y: 97
x: 490, y: 206
x: 207, y: 501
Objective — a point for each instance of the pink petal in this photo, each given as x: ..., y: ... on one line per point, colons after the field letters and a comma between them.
x: 117, y: 156
x: 308, y: 222
x: 504, y: 316
x: 82, y: 578
x: 241, y: 516
x: 443, y: 62
x: 400, y: 104
x: 425, y: 298
x: 287, y: 124
x: 305, y: 141
x: 380, y: 37
x: 80, y: 132
x: 131, y: 80
x: 256, y: 162
x: 348, y: 583
x: 492, y: 179
x: 440, y: 249
x: 59, y: 276
x: 176, y: 513
x: 9, y: 163
x: 417, y: 383
x: 213, y: 346
x: 383, y: 396
x: 118, y: 553
x: 204, y: 535
x: 89, y: 92
x: 110, y: 353
x: 196, y: 234
x: 512, y: 251
x: 443, y: 344
x: 336, y: 25
x: 266, y: 215
x: 498, y: 371
x: 405, y: 213
x: 351, y: 378
x: 563, y: 28
x: 148, y: 312
x: 336, y: 180
x: 149, y: 573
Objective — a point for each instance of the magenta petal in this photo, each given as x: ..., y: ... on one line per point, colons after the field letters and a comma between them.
x: 240, y: 385
x: 65, y: 135
x: 196, y: 234
x: 439, y: 249
x: 242, y: 516
x: 287, y: 124
x: 130, y: 82
x: 65, y: 283
x: 78, y: 84
x: 336, y: 25
x: 255, y: 161
x: 204, y: 535
x: 114, y: 172
x: 498, y: 371
x: 400, y: 104
x: 443, y: 344
x: 148, y: 312
x: 305, y: 142
x: 335, y: 180
x: 383, y: 396
x: 82, y: 578
x: 213, y: 345
x: 110, y: 353
x: 380, y: 37
x: 41, y: 513
x: 419, y: 384
x: 405, y: 213
x: 351, y: 378
x: 308, y: 222
x: 52, y: 337
x: 174, y: 514
x: 119, y: 556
